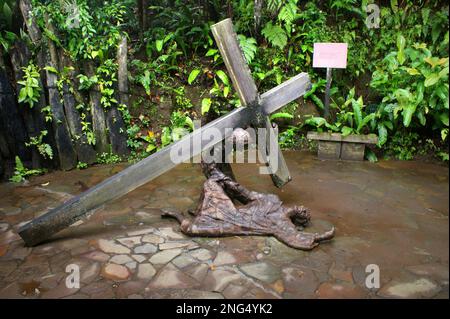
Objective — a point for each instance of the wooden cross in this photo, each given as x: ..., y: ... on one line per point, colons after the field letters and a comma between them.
x: 254, y: 111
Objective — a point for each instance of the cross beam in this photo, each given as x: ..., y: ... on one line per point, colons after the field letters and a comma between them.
x: 43, y: 227
x: 245, y: 87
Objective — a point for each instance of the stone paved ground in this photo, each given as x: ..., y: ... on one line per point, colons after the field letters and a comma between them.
x: 393, y: 214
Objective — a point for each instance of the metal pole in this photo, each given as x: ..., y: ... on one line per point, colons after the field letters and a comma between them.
x: 326, y: 112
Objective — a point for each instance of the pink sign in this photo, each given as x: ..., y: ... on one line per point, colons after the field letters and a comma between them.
x: 330, y: 55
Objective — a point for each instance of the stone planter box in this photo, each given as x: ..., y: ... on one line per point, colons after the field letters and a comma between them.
x: 335, y: 146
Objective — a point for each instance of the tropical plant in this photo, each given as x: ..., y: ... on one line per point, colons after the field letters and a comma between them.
x: 351, y: 118
x: 21, y: 172
x: 30, y: 90
x: 43, y: 148
x: 414, y: 83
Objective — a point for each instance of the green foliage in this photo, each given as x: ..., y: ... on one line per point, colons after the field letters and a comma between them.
x: 415, y: 87
x: 181, y: 101
x: 354, y: 120
x: 158, y: 71
x: 281, y: 115
x: 311, y: 94
x: 48, y: 115
x: 193, y: 75
x: 30, y: 90
x: 7, y: 7
x: 248, y: 46
x: 206, y: 105
x: 180, y: 125
x: 287, y: 138
x: 82, y: 165
x: 21, y: 172
x: 87, y: 82
x: 275, y: 35
x: 7, y: 39
x: 400, y: 70
x: 86, y: 129
x: 43, y: 148
x: 87, y: 29
x: 403, y: 146
x: 107, y: 73
x: 108, y: 158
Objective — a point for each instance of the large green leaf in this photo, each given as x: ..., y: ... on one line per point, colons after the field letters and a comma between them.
x: 316, y: 121
x: 159, y: 45
x: 248, y: 46
x: 432, y: 79
x: 382, y: 134
x: 193, y: 75
x: 346, y: 131
x: 223, y: 77
x: 422, y: 118
x: 444, y: 118
x: 275, y: 35
x: 206, y: 105
x: 401, y: 42
x: 357, y: 110
x: 365, y: 121
x: 370, y: 155
x: 281, y: 115
x: 408, y: 112
x: 288, y: 12
x: 7, y: 14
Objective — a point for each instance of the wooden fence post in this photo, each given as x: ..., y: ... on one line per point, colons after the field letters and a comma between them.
x: 115, y: 121
x: 66, y: 150
x: 85, y: 151
x: 98, y: 114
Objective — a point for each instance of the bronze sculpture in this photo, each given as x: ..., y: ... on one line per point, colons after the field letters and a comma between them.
x: 258, y: 214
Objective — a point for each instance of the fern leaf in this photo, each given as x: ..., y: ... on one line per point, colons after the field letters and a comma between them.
x: 248, y: 46
x: 288, y: 12
x: 275, y: 35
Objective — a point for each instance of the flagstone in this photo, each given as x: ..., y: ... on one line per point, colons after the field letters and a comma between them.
x: 420, y: 288
x: 109, y: 246
x: 145, y: 249
x: 163, y: 257
x: 171, y: 277
x: 152, y: 239
x: 115, y: 272
x: 120, y: 259
x: 146, y: 271
x: 201, y: 254
x: 130, y: 242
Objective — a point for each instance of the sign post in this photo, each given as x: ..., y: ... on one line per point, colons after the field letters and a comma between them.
x: 330, y: 56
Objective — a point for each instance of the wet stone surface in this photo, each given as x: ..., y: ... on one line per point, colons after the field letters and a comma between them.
x: 391, y: 214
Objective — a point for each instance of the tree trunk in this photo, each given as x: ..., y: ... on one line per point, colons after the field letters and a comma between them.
x: 230, y: 9
x: 144, y: 15
x: 258, y: 5
x: 122, y: 73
